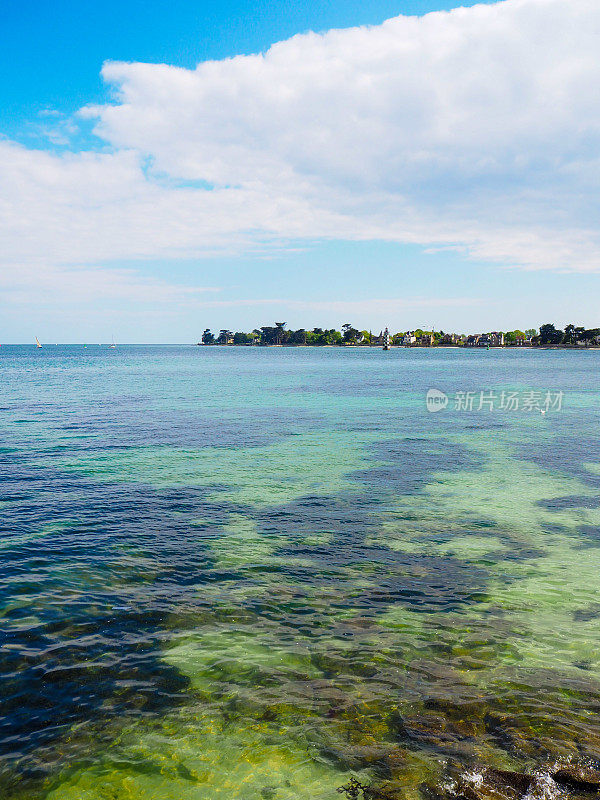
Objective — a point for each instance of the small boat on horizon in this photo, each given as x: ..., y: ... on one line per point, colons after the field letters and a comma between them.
x: 112, y: 345
x: 37, y: 342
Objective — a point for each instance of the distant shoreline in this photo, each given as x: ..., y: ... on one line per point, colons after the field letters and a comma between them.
x: 410, y: 346
x: 46, y: 347
x: 279, y: 335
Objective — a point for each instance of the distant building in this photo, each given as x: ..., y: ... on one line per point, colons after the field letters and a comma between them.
x: 409, y: 338
x: 449, y: 339
x: 426, y: 340
x: 493, y: 339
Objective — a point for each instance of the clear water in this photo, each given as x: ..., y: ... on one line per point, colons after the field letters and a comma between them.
x: 253, y: 573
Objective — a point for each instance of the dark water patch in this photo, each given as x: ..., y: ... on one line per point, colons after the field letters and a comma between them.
x: 486, y: 424
x: 588, y: 613
x: 503, y: 544
x: 422, y: 582
x: 566, y: 454
x: 55, y: 680
x: 126, y: 427
x: 410, y: 460
x: 589, y: 535
x: 569, y: 502
x: 584, y: 665
x: 131, y: 423
x: 92, y: 579
x: 521, y: 552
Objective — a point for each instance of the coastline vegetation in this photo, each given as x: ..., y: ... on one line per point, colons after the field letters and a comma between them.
x: 278, y: 335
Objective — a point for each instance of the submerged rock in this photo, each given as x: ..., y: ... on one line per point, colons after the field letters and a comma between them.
x: 354, y: 790
x: 518, y: 781
x: 492, y: 784
x: 585, y: 779
x: 570, y: 782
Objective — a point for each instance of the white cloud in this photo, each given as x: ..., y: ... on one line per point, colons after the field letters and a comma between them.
x: 477, y: 128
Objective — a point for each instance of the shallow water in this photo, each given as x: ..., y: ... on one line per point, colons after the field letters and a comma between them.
x: 252, y: 573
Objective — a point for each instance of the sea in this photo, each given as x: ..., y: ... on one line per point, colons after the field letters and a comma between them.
x: 256, y: 573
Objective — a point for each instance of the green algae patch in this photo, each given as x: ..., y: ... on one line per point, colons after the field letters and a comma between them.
x: 193, y: 755
x: 298, y: 466
x: 473, y: 548
x: 549, y: 600
x: 46, y: 530
x: 239, y: 543
x: 508, y: 515
x: 231, y: 660
x: 504, y: 496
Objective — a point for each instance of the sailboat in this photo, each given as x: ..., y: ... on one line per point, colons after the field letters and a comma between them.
x: 37, y: 342
x: 113, y: 345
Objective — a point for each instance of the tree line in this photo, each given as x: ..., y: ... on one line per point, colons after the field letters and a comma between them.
x: 279, y: 334
x: 571, y: 335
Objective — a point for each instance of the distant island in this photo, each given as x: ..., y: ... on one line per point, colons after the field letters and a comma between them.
x: 280, y: 336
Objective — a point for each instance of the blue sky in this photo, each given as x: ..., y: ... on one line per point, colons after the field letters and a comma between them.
x: 283, y: 187
x: 52, y: 52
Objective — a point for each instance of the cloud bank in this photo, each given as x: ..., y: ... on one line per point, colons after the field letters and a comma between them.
x: 477, y: 129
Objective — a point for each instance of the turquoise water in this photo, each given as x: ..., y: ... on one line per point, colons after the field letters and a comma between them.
x: 253, y: 573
